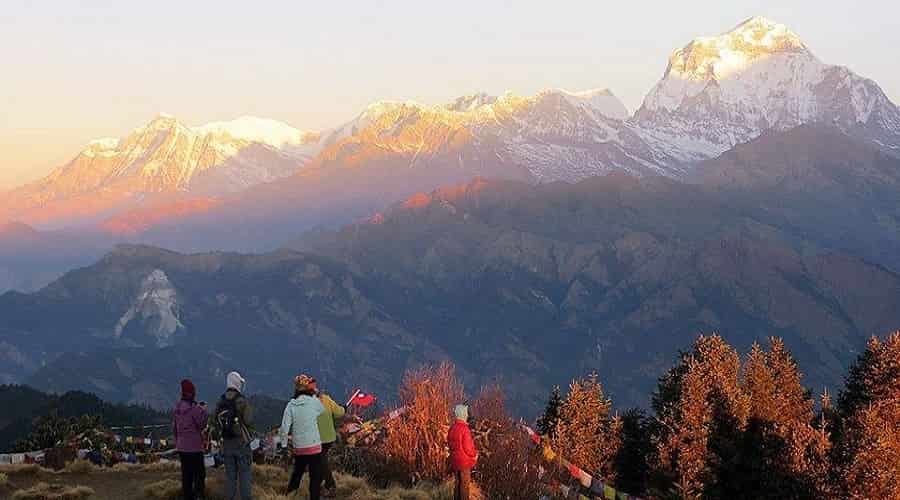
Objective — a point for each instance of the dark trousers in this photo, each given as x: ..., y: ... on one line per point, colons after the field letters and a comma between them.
x: 301, y: 463
x: 327, y: 476
x: 193, y: 475
x: 463, y: 477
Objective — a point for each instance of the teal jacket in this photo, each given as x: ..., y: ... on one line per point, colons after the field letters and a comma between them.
x: 300, y: 420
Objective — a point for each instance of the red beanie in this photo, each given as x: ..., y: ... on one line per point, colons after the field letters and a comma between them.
x: 187, y: 390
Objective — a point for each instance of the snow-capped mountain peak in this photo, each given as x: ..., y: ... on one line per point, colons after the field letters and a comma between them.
x: 731, y: 52
x: 471, y: 102
x: 722, y: 90
x: 252, y: 129
x: 166, y: 156
x: 602, y: 100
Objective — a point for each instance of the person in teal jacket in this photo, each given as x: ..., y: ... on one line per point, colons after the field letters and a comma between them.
x: 332, y: 414
x: 300, y: 420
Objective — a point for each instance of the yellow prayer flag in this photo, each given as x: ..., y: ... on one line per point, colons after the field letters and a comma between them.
x: 609, y: 492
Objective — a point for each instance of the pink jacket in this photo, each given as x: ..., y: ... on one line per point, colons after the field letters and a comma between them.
x: 188, y: 423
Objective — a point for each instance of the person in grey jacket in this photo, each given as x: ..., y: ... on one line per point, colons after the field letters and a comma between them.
x: 234, y: 420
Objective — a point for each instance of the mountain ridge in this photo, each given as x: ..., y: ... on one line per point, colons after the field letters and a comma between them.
x: 504, y: 277
x: 737, y: 86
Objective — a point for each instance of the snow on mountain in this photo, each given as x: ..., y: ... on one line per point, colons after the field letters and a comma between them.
x: 716, y: 92
x: 727, y: 89
x: 164, y: 156
x: 156, y: 310
x: 554, y: 134
x: 252, y: 129
x: 603, y: 101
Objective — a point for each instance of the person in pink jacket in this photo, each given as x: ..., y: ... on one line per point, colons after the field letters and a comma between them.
x: 188, y: 423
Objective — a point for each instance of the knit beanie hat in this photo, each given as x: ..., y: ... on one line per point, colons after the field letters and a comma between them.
x: 304, y: 383
x: 461, y: 412
x: 235, y: 381
x: 188, y: 391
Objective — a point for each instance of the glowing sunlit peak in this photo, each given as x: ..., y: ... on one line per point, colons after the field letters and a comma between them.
x: 104, y: 143
x: 718, y: 57
x: 253, y: 129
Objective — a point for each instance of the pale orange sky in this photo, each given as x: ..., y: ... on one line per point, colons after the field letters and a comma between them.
x: 73, y: 71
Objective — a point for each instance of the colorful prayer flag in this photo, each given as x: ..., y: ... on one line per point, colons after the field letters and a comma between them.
x: 597, y: 486
x: 584, y: 478
x: 609, y: 493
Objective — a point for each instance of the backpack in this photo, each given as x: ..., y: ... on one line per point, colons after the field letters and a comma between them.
x: 229, y: 418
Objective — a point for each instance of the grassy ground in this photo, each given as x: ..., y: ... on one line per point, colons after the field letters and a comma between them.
x: 80, y: 480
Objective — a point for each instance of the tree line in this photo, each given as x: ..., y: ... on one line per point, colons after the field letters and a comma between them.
x: 726, y: 426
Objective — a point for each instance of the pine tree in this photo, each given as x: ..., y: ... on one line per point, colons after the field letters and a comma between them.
x: 585, y: 433
x: 546, y: 424
x: 632, y: 463
x: 867, y: 452
x: 783, y: 454
x: 701, y: 410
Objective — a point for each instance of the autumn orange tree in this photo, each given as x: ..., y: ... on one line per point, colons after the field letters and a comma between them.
x: 415, y: 444
x: 586, y: 434
x: 508, y: 466
x: 867, y: 452
x: 700, y: 411
x: 783, y: 452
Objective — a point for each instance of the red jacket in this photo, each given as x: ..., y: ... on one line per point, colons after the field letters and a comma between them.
x: 462, y: 449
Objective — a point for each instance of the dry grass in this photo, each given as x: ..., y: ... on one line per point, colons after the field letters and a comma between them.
x: 79, y: 467
x: 44, y: 491
x: 4, y: 479
x: 161, y: 466
x: 160, y: 482
x: 270, y: 474
x: 164, y: 490
x: 20, y: 469
x: 354, y: 488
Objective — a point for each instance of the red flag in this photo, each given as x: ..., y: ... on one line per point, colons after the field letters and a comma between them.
x: 362, y: 399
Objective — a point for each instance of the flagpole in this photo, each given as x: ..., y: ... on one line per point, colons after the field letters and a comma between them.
x: 352, y: 398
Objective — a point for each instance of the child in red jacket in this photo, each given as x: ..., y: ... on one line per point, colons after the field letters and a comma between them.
x: 463, y: 454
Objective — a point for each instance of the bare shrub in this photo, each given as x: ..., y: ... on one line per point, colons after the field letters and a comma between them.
x: 415, y: 444
x: 507, y: 464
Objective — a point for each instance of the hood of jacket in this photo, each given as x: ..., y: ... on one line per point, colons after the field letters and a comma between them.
x: 303, y: 400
